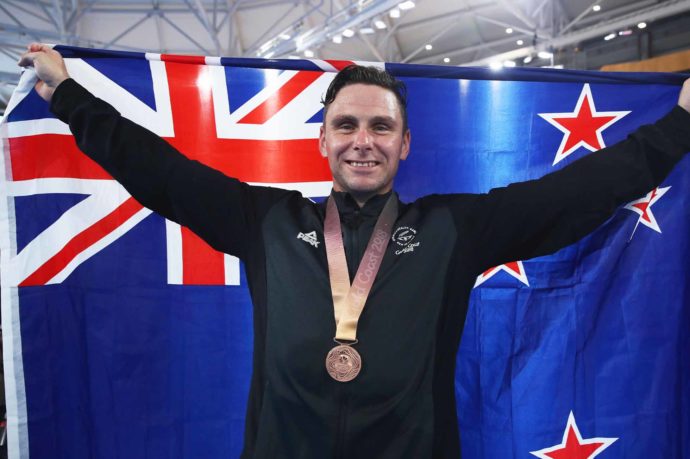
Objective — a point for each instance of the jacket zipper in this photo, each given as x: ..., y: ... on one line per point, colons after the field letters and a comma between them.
x: 352, y: 247
x: 340, y: 443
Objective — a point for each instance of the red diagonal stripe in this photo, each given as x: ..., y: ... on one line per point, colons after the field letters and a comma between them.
x: 81, y: 242
x: 51, y: 156
x: 291, y: 89
x: 277, y: 161
x: 339, y: 64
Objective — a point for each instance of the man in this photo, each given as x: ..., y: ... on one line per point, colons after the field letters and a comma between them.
x: 386, y: 388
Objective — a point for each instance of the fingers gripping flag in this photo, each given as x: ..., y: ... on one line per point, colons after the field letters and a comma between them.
x: 127, y: 336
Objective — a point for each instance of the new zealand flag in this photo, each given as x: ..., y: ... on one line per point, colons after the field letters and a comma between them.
x: 126, y: 336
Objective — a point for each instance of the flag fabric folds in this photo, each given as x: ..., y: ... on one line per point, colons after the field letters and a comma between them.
x: 124, y: 335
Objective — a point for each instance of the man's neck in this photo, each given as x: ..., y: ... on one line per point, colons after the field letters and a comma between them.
x: 362, y: 198
x: 361, y: 201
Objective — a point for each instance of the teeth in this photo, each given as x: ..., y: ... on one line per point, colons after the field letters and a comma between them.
x: 363, y: 164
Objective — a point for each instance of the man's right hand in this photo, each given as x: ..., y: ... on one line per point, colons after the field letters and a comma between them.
x: 49, y: 66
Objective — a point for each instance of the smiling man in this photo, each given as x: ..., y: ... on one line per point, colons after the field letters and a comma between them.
x: 365, y: 133
x: 356, y: 337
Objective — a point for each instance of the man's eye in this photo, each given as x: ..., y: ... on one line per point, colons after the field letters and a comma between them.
x: 382, y: 127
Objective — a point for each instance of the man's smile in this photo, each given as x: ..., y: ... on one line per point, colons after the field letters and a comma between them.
x: 362, y: 164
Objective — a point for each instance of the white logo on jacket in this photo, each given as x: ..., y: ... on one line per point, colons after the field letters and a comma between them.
x: 403, y: 236
x: 309, y: 237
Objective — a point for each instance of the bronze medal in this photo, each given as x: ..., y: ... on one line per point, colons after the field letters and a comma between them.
x: 343, y: 363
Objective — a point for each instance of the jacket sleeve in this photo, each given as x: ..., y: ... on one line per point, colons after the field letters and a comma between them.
x: 222, y: 210
x: 538, y: 217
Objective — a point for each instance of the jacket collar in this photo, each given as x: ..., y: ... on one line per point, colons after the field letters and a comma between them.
x: 348, y: 207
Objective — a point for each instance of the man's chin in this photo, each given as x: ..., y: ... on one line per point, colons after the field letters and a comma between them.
x: 363, y: 189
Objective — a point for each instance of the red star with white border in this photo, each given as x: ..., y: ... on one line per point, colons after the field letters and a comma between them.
x: 583, y: 126
x: 643, y: 207
x: 573, y: 446
x: 515, y: 269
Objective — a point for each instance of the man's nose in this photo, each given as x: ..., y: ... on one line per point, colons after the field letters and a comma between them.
x: 363, y: 139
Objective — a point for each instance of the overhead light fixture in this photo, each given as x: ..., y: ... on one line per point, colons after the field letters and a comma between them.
x: 394, y: 13
x: 366, y: 31
x: 265, y: 47
x: 406, y: 5
x: 495, y: 65
x: 337, y: 39
x: 292, y: 56
x: 299, y: 40
x: 509, y: 64
x: 428, y: 47
x: 446, y: 59
x: 527, y: 60
x: 285, y: 36
x: 610, y: 36
x: 623, y: 33
x: 544, y: 55
x: 596, y: 8
x: 379, y: 24
x: 509, y: 30
x: 269, y: 55
x: 308, y: 53
x: 642, y: 25
x: 520, y: 42
x: 348, y: 33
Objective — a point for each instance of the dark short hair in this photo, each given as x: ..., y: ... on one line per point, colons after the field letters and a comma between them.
x: 353, y: 74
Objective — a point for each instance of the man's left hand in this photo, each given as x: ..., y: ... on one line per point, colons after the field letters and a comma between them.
x: 684, y: 98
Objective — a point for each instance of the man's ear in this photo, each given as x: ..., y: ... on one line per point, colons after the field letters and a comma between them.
x: 322, y: 142
x: 407, y: 137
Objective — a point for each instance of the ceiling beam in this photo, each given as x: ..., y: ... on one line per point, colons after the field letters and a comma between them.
x: 448, y: 27
x: 200, y: 13
x: 185, y: 34
x: 372, y: 48
x: 579, y: 17
x: 517, y: 12
x: 273, y: 33
x: 652, y: 13
x: 342, y: 20
x: 126, y: 31
x: 503, y: 24
x: 469, y: 49
x: 605, y: 15
x: 27, y: 11
x: 442, y: 17
x: 17, y: 21
x: 60, y: 18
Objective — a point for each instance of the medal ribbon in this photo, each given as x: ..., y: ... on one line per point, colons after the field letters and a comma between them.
x: 349, y: 300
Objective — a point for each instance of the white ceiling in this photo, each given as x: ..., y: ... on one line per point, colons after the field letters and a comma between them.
x: 466, y: 32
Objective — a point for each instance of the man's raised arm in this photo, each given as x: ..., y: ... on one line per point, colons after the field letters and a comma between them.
x: 538, y: 217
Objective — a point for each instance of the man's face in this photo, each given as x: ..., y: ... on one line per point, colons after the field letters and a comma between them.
x: 362, y: 137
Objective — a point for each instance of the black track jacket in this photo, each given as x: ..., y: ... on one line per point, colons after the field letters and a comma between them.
x: 402, y: 405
